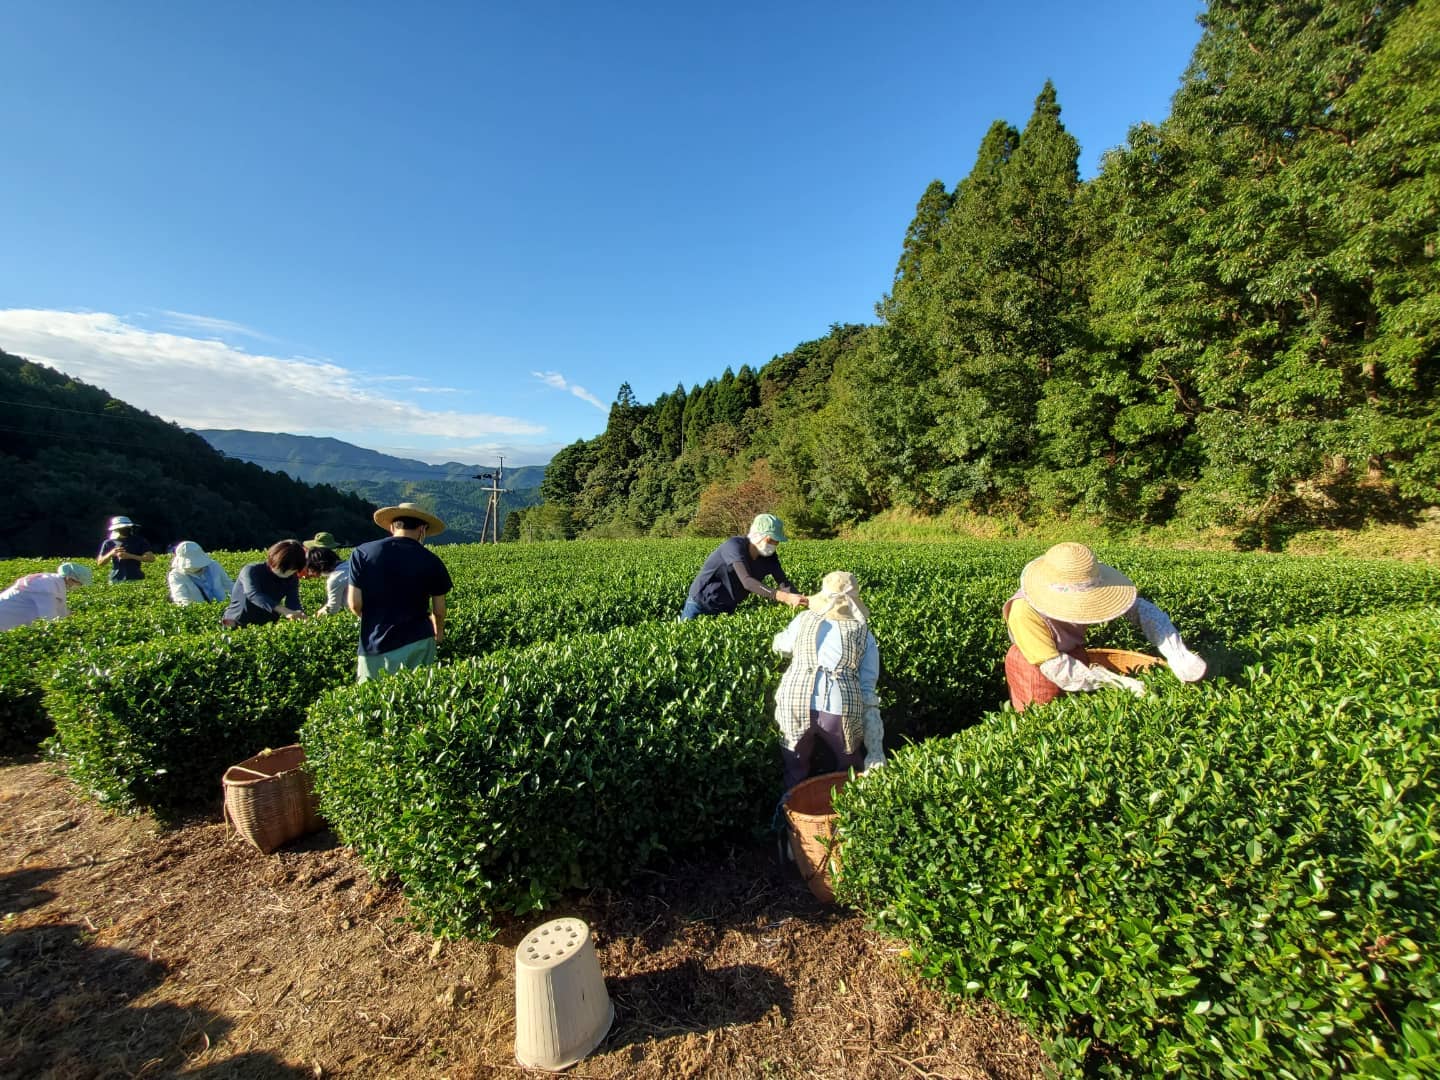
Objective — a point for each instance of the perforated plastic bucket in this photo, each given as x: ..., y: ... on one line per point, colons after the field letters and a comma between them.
x: 562, y: 1010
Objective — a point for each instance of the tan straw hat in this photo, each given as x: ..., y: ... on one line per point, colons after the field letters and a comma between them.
x: 1069, y: 584
x: 839, y: 598
x: 386, y: 514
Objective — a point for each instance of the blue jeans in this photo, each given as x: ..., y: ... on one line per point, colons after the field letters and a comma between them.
x: 692, y: 609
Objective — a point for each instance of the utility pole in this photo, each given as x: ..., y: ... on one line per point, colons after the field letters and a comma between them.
x: 491, y: 524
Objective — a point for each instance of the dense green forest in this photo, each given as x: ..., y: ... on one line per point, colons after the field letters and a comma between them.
x: 75, y: 456
x: 1234, y: 323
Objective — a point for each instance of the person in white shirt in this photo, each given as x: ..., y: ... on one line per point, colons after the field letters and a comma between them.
x: 324, y: 562
x: 41, y: 596
x: 828, y: 693
x: 196, y: 578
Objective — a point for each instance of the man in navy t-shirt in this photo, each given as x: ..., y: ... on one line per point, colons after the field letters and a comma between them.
x: 398, y: 590
x: 740, y: 566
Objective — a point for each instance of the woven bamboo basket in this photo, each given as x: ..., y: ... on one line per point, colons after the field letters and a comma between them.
x: 1123, y: 661
x: 269, y: 799
x: 811, y: 818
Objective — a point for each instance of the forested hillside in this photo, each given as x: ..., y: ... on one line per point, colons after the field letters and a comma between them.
x: 73, y: 456
x: 451, y: 490
x: 1235, y: 323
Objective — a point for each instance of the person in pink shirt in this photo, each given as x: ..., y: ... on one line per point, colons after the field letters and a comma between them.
x: 41, y: 596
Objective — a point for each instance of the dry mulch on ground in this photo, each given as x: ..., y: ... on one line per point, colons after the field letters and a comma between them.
x: 132, y: 951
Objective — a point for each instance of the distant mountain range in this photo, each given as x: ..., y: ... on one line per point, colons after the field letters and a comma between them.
x: 448, y: 490
x: 73, y: 456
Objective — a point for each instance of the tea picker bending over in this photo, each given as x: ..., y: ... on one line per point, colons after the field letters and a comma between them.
x: 41, y: 596
x: 266, y: 592
x: 1062, y: 593
x: 196, y: 578
x: 322, y: 560
x: 828, y: 691
x: 740, y: 566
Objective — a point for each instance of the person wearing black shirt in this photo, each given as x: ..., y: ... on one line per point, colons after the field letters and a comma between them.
x: 739, y: 566
x: 266, y: 592
x: 398, y: 589
x: 124, y: 549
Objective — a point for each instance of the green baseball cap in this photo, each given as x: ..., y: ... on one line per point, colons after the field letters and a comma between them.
x: 768, y: 525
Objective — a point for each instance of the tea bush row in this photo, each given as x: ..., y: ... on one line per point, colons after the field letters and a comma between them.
x: 157, y: 724
x: 1225, y: 880
x: 495, y: 784
x: 942, y: 638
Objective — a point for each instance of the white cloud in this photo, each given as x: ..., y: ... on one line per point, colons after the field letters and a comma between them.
x: 207, y: 383
x: 486, y: 454
x: 217, y: 326
x: 558, y: 381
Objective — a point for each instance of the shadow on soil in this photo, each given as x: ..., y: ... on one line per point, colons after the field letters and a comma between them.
x: 66, y: 1006
x: 690, y: 998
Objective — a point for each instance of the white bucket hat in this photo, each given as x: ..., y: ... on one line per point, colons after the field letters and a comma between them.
x: 190, y: 557
x: 1069, y: 584
x: 118, y: 522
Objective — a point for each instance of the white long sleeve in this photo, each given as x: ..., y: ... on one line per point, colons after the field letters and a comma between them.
x: 1161, y: 633
x: 1071, y: 675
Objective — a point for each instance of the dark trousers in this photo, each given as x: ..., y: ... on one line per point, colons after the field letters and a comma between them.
x: 828, y: 728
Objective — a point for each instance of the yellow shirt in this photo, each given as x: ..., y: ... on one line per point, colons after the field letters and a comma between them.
x: 1030, y: 633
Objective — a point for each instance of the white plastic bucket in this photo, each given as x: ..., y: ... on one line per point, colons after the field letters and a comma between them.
x: 562, y: 1010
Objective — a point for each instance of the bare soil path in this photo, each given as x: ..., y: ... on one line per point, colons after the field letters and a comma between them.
x: 127, y: 950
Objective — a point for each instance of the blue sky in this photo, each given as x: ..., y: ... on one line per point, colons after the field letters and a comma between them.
x: 453, y: 230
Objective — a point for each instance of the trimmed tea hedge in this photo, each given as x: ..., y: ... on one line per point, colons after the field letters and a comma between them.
x: 936, y: 611
x: 29, y: 655
x: 157, y: 724
x: 495, y: 784
x: 1222, y: 880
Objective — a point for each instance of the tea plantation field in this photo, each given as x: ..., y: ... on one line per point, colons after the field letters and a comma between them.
x: 1235, y: 878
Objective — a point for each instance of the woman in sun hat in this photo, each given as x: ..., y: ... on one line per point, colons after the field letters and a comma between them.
x: 124, y: 549
x: 827, y: 694
x: 196, y: 578
x: 41, y: 596
x: 739, y: 567
x: 1061, y: 594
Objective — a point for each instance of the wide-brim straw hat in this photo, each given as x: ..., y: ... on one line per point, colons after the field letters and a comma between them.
x: 839, y: 598
x: 386, y: 514
x: 1069, y: 584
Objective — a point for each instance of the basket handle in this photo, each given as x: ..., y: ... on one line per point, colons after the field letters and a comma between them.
x: 252, y: 772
